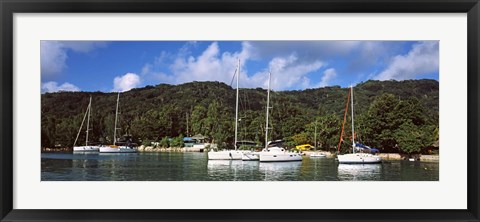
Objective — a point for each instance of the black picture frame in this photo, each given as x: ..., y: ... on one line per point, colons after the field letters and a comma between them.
x: 9, y: 7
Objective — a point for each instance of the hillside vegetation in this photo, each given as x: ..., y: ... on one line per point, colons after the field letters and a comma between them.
x: 390, y: 115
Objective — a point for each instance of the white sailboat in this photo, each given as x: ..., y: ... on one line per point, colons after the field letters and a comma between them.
x: 275, y: 153
x: 117, y: 148
x: 356, y: 157
x: 86, y: 148
x: 229, y: 154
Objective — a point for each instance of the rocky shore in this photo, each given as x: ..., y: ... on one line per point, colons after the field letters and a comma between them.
x: 169, y: 149
x: 386, y: 156
x: 57, y: 149
x: 417, y: 157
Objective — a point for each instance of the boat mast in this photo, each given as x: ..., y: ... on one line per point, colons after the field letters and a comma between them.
x: 88, y: 120
x: 343, y: 124
x: 188, y: 134
x: 268, y: 107
x: 236, y: 106
x: 315, y: 137
x: 116, y: 119
x: 81, y: 126
x: 353, y: 128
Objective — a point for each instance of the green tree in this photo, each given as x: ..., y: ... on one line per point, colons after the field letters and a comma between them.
x: 379, y: 123
x: 392, y: 124
x: 257, y: 128
x: 410, y: 109
x: 218, y: 125
x: 436, y: 134
x: 409, y: 138
x: 212, y: 120
x: 301, y: 138
x: 147, y: 142
x: 155, y: 112
x: 164, y: 143
x: 148, y: 125
x: 177, y: 141
x: 328, y: 131
x: 199, y: 114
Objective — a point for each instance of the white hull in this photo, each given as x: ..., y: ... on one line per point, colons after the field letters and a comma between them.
x: 117, y: 149
x: 280, y: 157
x: 225, y: 155
x: 359, y: 158
x: 277, y: 154
x: 80, y: 149
x: 251, y: 156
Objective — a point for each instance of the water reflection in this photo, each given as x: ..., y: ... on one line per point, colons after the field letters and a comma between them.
x: 359, y: 171
x: 319, y: 169
x: 232, y: 169
x: 280, y: 170
x: 196, y: 167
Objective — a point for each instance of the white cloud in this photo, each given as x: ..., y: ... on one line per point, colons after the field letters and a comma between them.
x: 287, y: 73
x: 83, y: 46
x: 54, y: 87
x: 185, y: 50
x: 328, y: 75
x: 212, y: 65
x: 147, y: 69
x: 54, y: 54
x: 420, y: 60
x: 305, y: 50
x: 126, y: 82
x: 359, y: 56
x: 52, y: 57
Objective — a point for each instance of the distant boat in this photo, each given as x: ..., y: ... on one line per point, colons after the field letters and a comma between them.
x: 117, y: 149
x: 229, y: 154
x: 356, y: 157
x: 125, y: 147
x: 278, y: 154
x: 274, y: 153
x: 86, y: 148
x: 317, y: 155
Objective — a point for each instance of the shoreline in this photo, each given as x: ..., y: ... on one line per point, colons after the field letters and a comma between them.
x: 150, y: 149
x: 388, y: 156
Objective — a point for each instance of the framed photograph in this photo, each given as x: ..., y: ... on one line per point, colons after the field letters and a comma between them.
x: 247, y: 111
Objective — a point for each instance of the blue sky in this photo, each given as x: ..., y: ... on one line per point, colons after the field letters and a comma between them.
x: 295, y: 65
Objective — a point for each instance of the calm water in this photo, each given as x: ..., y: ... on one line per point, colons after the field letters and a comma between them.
x: 195, y: 167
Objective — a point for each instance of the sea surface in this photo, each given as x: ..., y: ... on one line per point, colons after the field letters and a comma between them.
x: 196, y: 167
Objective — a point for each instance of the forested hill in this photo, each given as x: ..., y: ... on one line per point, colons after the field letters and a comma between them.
x: 154, y: 112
